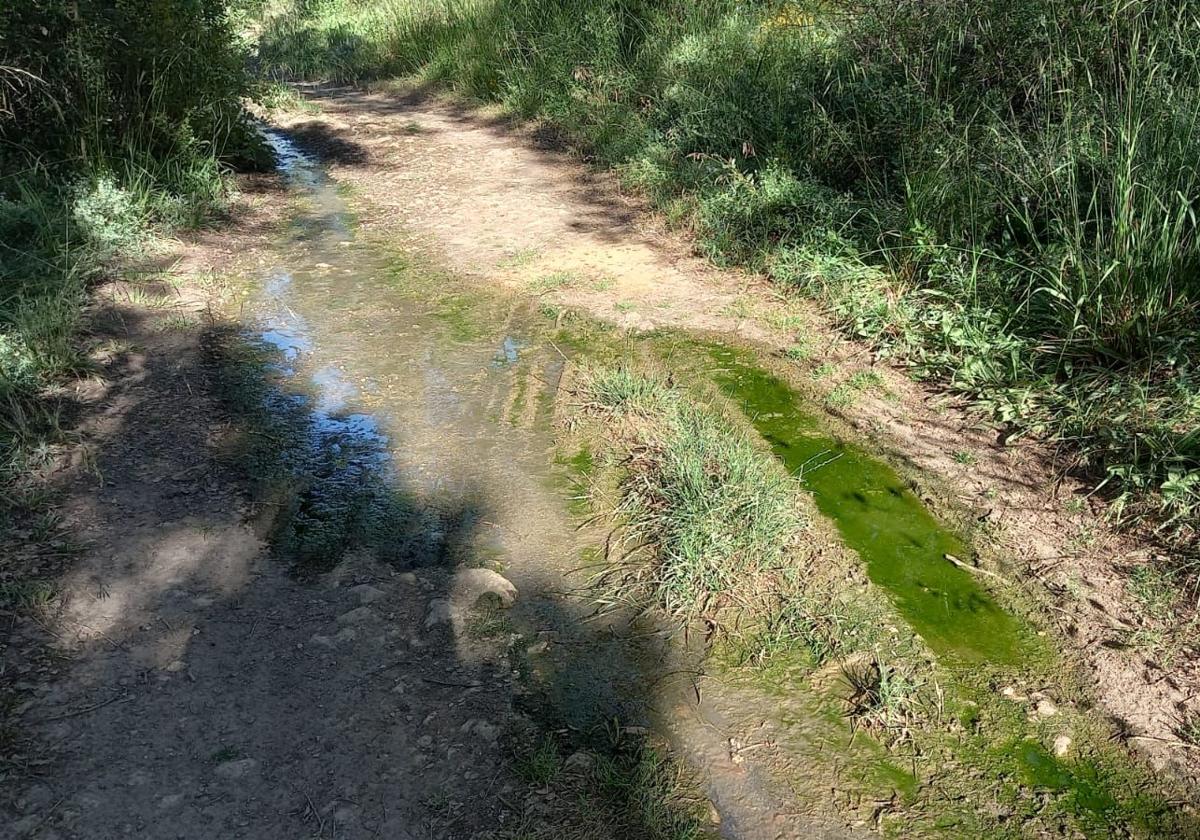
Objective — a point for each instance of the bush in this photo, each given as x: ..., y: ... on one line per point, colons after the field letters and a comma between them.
x: 116, y: 119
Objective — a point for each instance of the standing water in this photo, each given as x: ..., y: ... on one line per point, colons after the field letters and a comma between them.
x: 906, y: 551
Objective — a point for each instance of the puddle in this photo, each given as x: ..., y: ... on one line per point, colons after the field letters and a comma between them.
x: 902, y: 544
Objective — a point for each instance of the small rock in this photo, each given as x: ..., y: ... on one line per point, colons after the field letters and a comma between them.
x: 366, y: 594
x: 487, y: 731
x: 538, y: 647
x: 26, y: 825
x: 440, y: 612
x: 345, y: 814
x: 1010, y: 693
x: 1046, y: 708
x: 580, y: 761
x: 170, y: 801
x: 425, y: 742
x: 472, y: 585
x: 36, y: 798
x: 237, y: 769
x: 1062, y: 745
x: 322, y: 641
x: 346, y: 634
x: 176, y: 666
x: 357, y: 616
x: 409, y: 578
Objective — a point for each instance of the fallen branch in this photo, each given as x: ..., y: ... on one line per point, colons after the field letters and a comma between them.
x: 975, y: 569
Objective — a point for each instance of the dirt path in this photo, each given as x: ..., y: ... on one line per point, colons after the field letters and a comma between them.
x: 187, y: 683
x: 200, y: 689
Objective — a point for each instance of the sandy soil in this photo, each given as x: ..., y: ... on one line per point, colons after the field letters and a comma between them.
x: 508, y: 204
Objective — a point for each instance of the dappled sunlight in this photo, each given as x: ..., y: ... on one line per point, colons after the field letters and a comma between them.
x: 108, y: 598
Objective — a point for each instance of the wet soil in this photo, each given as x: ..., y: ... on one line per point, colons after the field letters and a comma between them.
x: 510, y: 205
x: 286, y: 651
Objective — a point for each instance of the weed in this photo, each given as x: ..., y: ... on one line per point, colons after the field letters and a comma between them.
x: 965, y: 457
x: 621, y: 390
x: 540, y: 765
x: 1188, y: 728
x: 845, y: 394
x: 224, y: 754
x: 1156, y: 591
x: 553, y: 282
x: 27, y: 594
x: 488, y: 622
x: 799, y: 352
x: 520, y: 259
x: 880, y: 699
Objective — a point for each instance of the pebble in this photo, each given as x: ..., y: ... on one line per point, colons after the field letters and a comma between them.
x: 1046, y: 708
x: 487, y: 731
x: 580, y: 761
x: 366, y: 594
x: 440, y: 612
x: 1062, y: 745
x: 472, y: 585
x: 360, y: 615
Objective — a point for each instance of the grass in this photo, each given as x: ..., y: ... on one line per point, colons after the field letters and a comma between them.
x: 719, y: 513
x: 27, y: 595
x: 900, y: 723
x: 999, y: 195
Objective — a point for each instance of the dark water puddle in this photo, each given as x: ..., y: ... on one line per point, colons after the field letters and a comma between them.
x: 902, y: 544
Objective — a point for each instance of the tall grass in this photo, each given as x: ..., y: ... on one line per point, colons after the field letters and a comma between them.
x: 1001, y: 194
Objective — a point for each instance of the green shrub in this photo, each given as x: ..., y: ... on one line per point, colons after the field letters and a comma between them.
x: 116, y: 121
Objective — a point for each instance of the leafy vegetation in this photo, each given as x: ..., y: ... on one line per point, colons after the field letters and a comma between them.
x: 116, y: 120
x: 1003, y: 195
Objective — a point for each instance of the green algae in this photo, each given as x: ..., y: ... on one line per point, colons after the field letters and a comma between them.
x: 902, y: 544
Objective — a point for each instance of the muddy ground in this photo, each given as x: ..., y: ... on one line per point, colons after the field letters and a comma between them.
x: 508, y: 203
x: 185, y: 682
